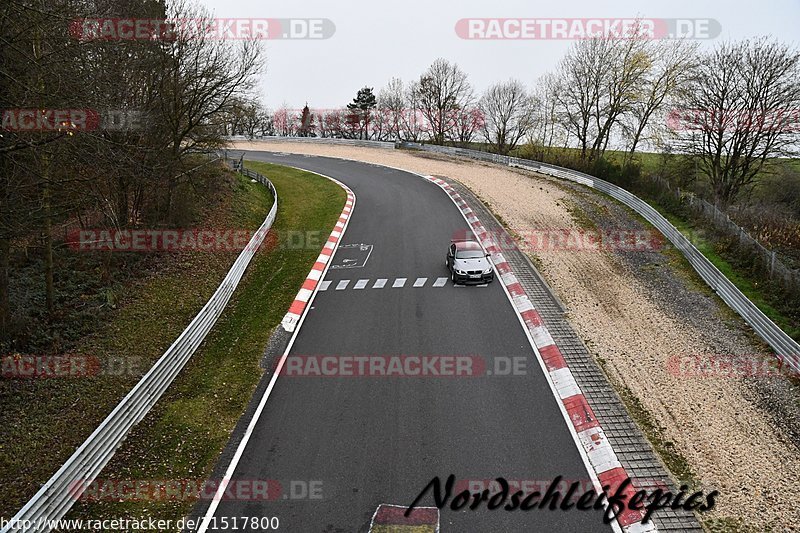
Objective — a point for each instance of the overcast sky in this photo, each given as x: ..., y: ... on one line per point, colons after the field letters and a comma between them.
x: 376, y: 40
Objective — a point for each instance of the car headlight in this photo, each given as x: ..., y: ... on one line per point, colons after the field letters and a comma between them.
x: 488, y: 270
x: 462, y: 272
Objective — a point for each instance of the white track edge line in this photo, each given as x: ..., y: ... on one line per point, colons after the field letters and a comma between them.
x: 584, y: 457
x: 581, y: 451
x: 212, y: 508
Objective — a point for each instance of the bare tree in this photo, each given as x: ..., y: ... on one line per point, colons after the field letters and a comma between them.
x: 741, y: 109
x: 630, y: 63
x: 181, y: 89
x: 672, y: 64
x: 469, y: 121
x: 507, y: 111
x: 330, y: 122
x: 322, y: 127
x: 577, y: 89
x: 246, y: 116
x: 201, y: 78
x: 547, y: 129
x: 443, y: 91
x: 284, y: 121
x: 413, y: 120
x: 598, y: 82
x: 392, y: 105
x: 43, y: 170
x: 382, y: 125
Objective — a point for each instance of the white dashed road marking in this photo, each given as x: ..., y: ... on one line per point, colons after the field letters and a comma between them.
x: 380, y: 283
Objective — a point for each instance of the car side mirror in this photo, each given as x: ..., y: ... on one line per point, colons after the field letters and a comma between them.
x: 488, y: 255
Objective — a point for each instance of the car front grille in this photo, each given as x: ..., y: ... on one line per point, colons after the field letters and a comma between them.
x: 474, y: 271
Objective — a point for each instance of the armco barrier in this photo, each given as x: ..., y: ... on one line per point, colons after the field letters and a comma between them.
x: 56, y: 496
x: 786, y: 348
x: 319, y: 140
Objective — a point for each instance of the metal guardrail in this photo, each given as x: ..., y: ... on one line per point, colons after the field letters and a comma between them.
x: 58, y: 494
x: 786, y: 348
x: 387, y: 145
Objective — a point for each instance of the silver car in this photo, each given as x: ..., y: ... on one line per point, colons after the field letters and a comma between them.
x: 468, y: 263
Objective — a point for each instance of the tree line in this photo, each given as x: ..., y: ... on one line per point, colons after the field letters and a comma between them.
x: 733, y: 107
x: 104, y: 131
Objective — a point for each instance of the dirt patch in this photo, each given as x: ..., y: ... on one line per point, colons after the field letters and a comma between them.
x: 638, y: 312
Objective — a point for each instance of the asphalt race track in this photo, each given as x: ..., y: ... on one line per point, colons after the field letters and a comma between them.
x: 358, y: 442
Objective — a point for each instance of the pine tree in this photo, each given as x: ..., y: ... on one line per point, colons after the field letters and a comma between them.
x: 307, y: 126
x: 360, y: 110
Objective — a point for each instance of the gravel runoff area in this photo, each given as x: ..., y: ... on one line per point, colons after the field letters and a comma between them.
x: 636, y: 312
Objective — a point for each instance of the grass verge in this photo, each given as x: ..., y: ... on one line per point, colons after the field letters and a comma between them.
x: 747, y: 284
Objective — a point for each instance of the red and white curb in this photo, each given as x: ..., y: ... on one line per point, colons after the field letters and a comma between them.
x: 391, y: 519
x: 291, y: 322
x: 598, y: 450
x: 291, y: 319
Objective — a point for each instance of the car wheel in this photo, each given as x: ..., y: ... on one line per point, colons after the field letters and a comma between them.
x: 453, y: 277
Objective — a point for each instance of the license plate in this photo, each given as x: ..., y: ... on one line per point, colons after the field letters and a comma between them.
x: 474, y: 275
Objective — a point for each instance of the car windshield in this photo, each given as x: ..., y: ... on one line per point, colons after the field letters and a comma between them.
x: 469, y: 254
